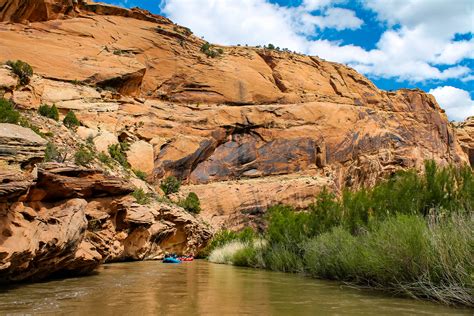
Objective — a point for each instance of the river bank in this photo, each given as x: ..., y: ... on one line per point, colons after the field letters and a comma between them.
x: 203, y: 288
x: 410, y: 235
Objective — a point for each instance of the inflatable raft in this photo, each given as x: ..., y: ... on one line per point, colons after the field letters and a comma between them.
x: 171, y: 260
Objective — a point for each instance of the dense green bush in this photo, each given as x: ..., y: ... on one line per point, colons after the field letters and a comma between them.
x: 105, y: 159
x: 209, y: 50
x: 410, y: 234
x: 8, y: 114
x: 402, y: 254
x: 49, y: 111
x: 140, y: 174
x: 141, y: 197
x: 191, y: 203
x: 226, y: 236
x: 117, y: 152
x: 170, y: 185
x: 270, y: 46
x: 22, y: 70
x: 83, y: 156
x: 70, y: 120
x: 53, y: 153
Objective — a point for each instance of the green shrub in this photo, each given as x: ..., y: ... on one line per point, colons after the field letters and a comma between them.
x: 170, y: 185
x: 49, y: 112
x: 281, y: 257
x: 140, y: 174
x: 22, y: 70
x: 332, y: 255
x: 105, y: 159
x: 70, y: 120
x: 83, y: 156
x: 117, y: 152
x: 141, y: 197
x: 286, y: 226
x: 209, y: 50
x: 225, y: 236
x: 191, y: 203
x: 402, y: 254
x: 8, y: 114
x: 410, y: 234
x: 270, y: 46
x: 24, y: 122
x: 53, y: 153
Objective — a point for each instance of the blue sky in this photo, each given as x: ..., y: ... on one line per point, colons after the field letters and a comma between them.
x: 427, y: 44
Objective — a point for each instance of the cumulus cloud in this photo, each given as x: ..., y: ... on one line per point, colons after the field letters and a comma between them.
x: 417, y: 45
x: 457, y: 102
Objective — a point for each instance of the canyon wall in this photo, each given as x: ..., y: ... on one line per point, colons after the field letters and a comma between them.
x: 245, y: 129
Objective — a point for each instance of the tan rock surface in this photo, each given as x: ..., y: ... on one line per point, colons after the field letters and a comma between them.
x: 8, y: 81
x: 141, y: 157
x: 20, y: 145
x: 465, y: 134
x: 103, y: 140
x: 42, y: 240
x: 72, y: 219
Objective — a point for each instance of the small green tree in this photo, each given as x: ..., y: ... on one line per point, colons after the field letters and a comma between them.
x: 70, y: 120
x: 141, y: 197
x: 117, y: 152
x: 271, y: 46
x: 49, y: 112
x: 140, y: 174
x: 8, y: 114
x: 205, y: 47
x: 105, y: 159
x: 191, y: 203
x: 22, y: 70
x: 53, y: 153
x: 170, y: 185
x: 83, y: 156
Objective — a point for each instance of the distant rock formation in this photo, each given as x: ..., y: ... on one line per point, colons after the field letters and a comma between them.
x: 465, y: 135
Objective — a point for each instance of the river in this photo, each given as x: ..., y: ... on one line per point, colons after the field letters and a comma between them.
x: 202, y: 288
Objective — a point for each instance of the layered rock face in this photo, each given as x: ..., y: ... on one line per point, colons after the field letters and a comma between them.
x: 245, y: 130
x: 465, y: 133
x: 65, y: 219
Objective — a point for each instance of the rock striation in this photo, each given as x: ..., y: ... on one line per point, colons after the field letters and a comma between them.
x: 465, y: 134
x: 69, y: 220
x: 245, y: 130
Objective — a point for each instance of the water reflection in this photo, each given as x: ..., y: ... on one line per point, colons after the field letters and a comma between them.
x: 201, y: 288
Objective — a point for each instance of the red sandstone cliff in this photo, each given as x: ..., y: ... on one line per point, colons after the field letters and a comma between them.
x: 245, y: 130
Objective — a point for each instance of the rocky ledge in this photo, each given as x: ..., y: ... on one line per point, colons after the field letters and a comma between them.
x: 65, y: 219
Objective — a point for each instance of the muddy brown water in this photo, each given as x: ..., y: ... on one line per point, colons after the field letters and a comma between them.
x: 203, y: 288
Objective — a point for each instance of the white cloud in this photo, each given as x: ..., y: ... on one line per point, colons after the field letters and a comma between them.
x: 258, y: 22
x: 417, y: 45
x: 457, y: 102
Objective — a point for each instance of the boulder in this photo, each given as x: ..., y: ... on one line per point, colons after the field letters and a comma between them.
x: 20, y: 145
x: 14, y: 183
x: 43, y: 240
x: 104, y: 140
x: 141, y: 157
x: 8, y: 81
